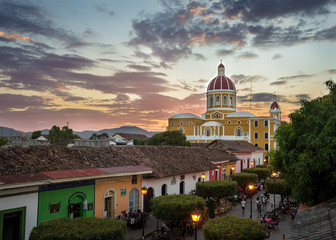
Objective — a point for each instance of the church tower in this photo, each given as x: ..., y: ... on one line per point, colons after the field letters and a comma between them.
x: 275, y: 111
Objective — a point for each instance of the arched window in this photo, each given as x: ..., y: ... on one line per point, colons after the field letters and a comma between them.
x: 217, y: 116
x: 109, y: 204
x: 134, y: 200
x: 208, y: 132
x: 238, y: 132
x: 172, y: 123
x: 182, y: 187
x: 231, y: 101
x: 211, y: 101
x: 181, y: 129
x: 266, y: 146
x: 181, y: 123
x: 234, y: 101
x: 224, y: 100
x: 256, y: 145
x: 164, y: 190
x: 217, y: 100
x: 229, y: 122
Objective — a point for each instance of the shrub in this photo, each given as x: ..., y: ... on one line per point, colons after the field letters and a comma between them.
x: 243, y: 179
x: 261, y: 172
x: 80, y: 228
x: 233, y: 228
x: 217, y: 189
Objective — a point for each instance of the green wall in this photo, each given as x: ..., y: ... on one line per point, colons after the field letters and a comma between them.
x: 49, y: 196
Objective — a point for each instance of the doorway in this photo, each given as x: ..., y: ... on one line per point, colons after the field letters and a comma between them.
x: 12, y: 224
x: 109, y: 204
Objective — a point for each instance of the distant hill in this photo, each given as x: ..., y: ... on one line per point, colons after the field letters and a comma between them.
x: 4, y: 131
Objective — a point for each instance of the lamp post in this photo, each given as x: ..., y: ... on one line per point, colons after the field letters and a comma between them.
x: 195, y: 216
x: 251, y: 189
x: 203, y: 177
x: 274, y: 174
x: 252, y: 163
x: 231, y: 172
x: 144, y: 192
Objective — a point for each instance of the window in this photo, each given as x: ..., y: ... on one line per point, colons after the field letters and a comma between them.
x: 231, y: 101
x: 229, y: 122
x: 211, y: 101
x: 266, y: 146
x: 181, y: 123
x: 134, y: 179
x: 266, y: 123
x: 208, y: 132
x: 164, y: 190
x: 256, y: 123
x: 256, y: 145
x: 217, y: 100
x: 256, y: 135
x: 238, y: 132
x: 109, y: 201
x: 134, y: 200
x: 182, y: 177
x: 266, y: 135
x: 224, y: 100
x: 238, y: 122
x: 234, y: 101
x: 217, y: 116
x: 172, y: 123
x: 190, y: 123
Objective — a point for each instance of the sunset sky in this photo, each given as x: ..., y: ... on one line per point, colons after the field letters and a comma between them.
x: 106, y: 64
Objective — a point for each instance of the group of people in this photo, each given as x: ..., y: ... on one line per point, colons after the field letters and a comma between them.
x: 261, y: 202
x: 132, y: 218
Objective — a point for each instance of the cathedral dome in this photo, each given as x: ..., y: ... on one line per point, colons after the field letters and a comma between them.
x: 221, y: 82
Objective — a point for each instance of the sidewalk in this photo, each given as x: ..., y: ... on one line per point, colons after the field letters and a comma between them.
x: 280, y: 233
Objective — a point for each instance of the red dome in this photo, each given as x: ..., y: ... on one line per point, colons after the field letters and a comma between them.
x: 221, y: 82
x: 221, y: 65
x: 275, y: 106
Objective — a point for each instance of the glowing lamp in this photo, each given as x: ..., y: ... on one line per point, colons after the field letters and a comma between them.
x: 203, y: 175
x: 273, y: 174
x: 250, y: 187
x: 144, y: 190
x: 195, y: 215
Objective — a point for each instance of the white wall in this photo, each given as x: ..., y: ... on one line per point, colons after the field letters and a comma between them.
x: 189, y: 183
x: 258, y: 156
x: 29, y: 201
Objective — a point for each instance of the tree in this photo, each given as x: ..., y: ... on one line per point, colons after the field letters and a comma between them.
x: 36, y: 134
x: 80, y: 228
x: 93, y: 136
x: 3, y: 141
x: 57, y: 135
x: 278, y: 186
x: 260, y: 171
x: 217, y: 189
x: 173, y: 138
x: 244, y: 179
x: 233, y: 228
x: 98, y: 136
x: 176, y: 207
x: 306, y: 150
x: 139, y: 142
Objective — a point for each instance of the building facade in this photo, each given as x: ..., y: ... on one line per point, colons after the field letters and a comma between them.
x: 221, y: 121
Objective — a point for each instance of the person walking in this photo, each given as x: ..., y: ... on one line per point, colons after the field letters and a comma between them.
x: 243, y: 205
x: 259, y: 209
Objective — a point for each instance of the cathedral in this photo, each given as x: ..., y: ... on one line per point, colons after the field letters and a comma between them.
x: 221, y: 121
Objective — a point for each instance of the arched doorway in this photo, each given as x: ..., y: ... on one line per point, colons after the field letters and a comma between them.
x: 133, y: 200
x: 77, y: 203
x: 109, y: 204
x: 147, y: 198
x: 182, y: 187
x: 164, y: 189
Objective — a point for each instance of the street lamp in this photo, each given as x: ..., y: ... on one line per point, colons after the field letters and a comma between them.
x: 251, y: 189
x: 252, y: 163
x: 203, y: 177
x: 195, y: 216
x: 144, y: 192
x: 231, y: 172
x: 274, y: 174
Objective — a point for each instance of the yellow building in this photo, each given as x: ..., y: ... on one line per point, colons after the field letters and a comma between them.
x: 222, y: 121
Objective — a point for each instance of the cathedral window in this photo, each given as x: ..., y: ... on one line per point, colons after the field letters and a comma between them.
x: 266, y: 123
x: 238, y: 132
x: 208, y: 132
x: 256, y: 135
x: 256, y: 123
x: 224, y: 100
x: 211, y: 101
x: 266, y: 135
x: 217, y: 101
x: 266, y: 146
x: 256, y: 145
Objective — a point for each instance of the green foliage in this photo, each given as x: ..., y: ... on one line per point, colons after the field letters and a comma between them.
x: 36, y: 134
x: 57, y: 135
x: 306, y: 150
x: 217, y: 189
x: 243, y: 179
x: 233, y: 228
x: 98, y: 136
x: 139, y: 142
x: 176, y: 207
x: 3, y: 141
x: 172, y: 138
x: 80, y: 228
x: 278, y: 186
x: 262, y: 172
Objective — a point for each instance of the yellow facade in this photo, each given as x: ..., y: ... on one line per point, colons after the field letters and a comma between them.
x: 222, y: 121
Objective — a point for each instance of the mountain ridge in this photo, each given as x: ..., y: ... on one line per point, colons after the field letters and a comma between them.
x: 5, y: 131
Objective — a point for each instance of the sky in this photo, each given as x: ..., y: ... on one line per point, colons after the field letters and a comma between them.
x: 106, y: 64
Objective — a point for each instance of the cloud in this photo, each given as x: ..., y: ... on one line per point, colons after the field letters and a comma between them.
x: 6, y: 37
x: 276, y: 56
x: 248, y: 55
x: 296, y: 77
x: 278, y: 83
x: 224, y: 52
x: 18, y: 102
x: 242, y: 79
x: 302, y: 96
x: 139, y: 67
x: 102, y: 8
x: 330, y: 71
x: 257, y: 97
x: 25, y: 18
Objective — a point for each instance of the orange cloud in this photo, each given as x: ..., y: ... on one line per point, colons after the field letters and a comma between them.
x: 196, y: 11
x: 15, y: 37
x: 182, y: 18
